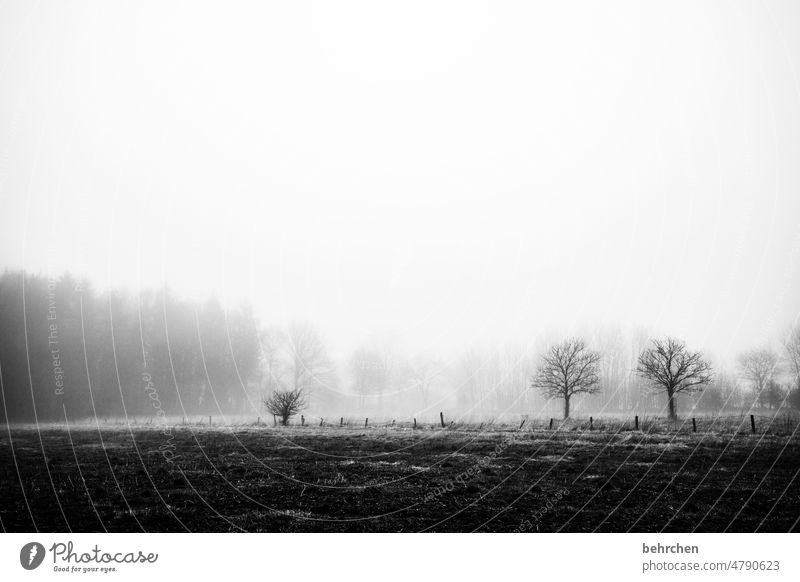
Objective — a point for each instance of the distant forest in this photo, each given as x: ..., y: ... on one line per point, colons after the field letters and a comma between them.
x: 66, y: 348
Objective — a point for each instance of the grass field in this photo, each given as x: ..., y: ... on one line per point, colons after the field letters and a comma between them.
x: 397, y: 479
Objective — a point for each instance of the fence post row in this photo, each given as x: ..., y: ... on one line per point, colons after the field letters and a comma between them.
x: 452, y: 422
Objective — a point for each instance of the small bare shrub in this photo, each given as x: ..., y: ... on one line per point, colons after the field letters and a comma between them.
x: 285, y: 403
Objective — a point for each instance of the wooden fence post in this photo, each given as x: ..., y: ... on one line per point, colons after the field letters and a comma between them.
x: 341, y: 421
x: 415, y: 423
x: 209, y: 420
x: 274, y: 420
x: 302, y: 420
x: 636, y: 421
x: 694, y: 425
x: 321, y: 420
x: 366, y: 420
x: 441, y: 418
x: 551, y: 424
x: 753, y: 423
x: 591, y: 423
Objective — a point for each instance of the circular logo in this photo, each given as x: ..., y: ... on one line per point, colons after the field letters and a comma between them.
x: 31, y: 555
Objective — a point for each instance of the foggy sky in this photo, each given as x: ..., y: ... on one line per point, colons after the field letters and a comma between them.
x: 444, y: 172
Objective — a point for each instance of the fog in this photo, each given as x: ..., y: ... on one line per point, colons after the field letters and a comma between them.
x: 454, y: 176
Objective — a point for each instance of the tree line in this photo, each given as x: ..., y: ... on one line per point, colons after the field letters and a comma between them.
x: 570, y: 368
x: 621, y: 373
x: 67, y: 348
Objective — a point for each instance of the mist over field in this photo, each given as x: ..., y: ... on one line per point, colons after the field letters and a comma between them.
x: 434, y: 210
x: 546, y: 251
x: 534, y: 170
x: 70, y: 351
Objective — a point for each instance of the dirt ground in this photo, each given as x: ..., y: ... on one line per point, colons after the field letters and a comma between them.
x: 298, y: 479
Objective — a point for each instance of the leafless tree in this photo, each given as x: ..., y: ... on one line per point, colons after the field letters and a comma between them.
x: 272, y: 342
x: 670, y: 367
x: 568, y: 368
x: 423, y: 372
x: 725, y: 389
x: 465, y: 382
x: 792, y: 347
x: 370, y: 371
x: 775, y: 395
x: 309, y: 366
x: 285, y: 403
x: 758, y: 368
x: 615, y: 369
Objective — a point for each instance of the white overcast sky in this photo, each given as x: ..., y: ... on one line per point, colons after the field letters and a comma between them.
x: 448, y: 172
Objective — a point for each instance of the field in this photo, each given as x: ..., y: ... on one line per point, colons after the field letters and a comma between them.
x: 396, y: 478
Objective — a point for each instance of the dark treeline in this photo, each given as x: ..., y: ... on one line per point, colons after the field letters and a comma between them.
x: 65, y: 347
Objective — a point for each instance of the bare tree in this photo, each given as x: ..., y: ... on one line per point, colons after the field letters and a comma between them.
x: 285, y: 403
x: 467, y: 383
x: 309, y: 367
x: 793, y: 399
x: 670, y: 367
x: 724, y: 390
x: 758, y: 367
x: 272, y: 341
x: 792, y: 347
x: 423, y: 372
x: 567, y: 369
x: 370, y: 370
x: 775, y: 395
